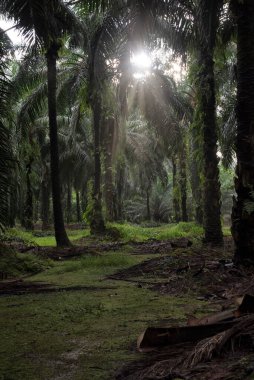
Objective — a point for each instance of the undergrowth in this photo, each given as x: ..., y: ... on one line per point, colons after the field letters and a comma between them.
x: 116, y: 231
x: 14, y: 264
x: 95, y: 263
x: 130, y: 232
x: 37, y: 238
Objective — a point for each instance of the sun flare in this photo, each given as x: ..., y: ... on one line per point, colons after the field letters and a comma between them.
x: 142, y: 64
x: 141, y: 61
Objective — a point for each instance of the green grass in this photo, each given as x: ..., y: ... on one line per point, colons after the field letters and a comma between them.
x: 45, y: 241
x: 84, y: 334
x: 166, y: 231
x: 91, y: 265
x: 128, y: 232
x: 87, y: 334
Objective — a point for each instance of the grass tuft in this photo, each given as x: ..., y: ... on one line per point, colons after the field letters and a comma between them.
x: 132, y: 232
x: 95, y: 263
x: 14, y: 264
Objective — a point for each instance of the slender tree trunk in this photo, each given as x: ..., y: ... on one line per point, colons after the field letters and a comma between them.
x: 176, y: 195
x: 69, y: 202
x: 36, y: 206
x: 108, y: 160
x: 119, y: 188
x: 212, y: 195
x: 84, y: 197
x: 12, y: 209
x: 196, y: 186
x: 243, y: 206
x: 60, y: 233
x: 21, y: 206
x: 183, y: 183
x: 45, y: 199
x: 28, y: 213
x: 148, y: 209
x: 97, y: 223
x: 78, y: 209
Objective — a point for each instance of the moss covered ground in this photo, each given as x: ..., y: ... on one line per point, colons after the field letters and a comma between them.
x: 85, y: 334
x: 82, y: 334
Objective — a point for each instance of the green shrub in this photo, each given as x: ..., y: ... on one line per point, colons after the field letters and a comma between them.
x: 14, y: 264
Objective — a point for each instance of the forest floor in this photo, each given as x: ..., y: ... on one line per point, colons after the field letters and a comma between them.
x: 80, y: 317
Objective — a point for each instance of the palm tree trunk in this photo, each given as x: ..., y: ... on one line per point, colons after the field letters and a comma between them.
x: 183, y: 183
x: 69, y: 202
x: 148, y: 209
x: 196, y: 185
x: 60, y: 233
x: 108, y: 159
x: 212, y: 195
x: 243, y: 207
x: 45, y: 201
x: 120, y: 170
x: 84, y: 196
x: 28, y: 214
x: 97, y: 225
x: 78, y: 209
x: 12, y: 207
x: 176, y: 203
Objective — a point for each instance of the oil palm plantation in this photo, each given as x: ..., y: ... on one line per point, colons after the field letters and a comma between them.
x: 44, y: 23
x: 186, y: 26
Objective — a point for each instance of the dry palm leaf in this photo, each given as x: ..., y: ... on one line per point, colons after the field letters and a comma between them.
x: 207, y: 348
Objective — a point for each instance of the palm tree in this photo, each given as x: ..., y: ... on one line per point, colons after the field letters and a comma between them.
x: 6, y: 155
x: 243, y: 210
x: 44, y: 23
x: 208, y: 18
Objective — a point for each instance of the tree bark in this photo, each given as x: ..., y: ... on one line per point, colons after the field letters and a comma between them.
x: 243, y: 206
x: 28, y: 213
x: 176, y: 195
x: 148, y: 209
x: 78, y: 209
x: 212, y: 195
x: 108, y: 160
x: 84, y: 196
x: 119, y: 188
x: 183, y: 184
x: 60, y: 233
x: 12, y: 209
x: 197, y: 192
x: 97, y: 225
x: 45, y: 199
x: 69, y: 202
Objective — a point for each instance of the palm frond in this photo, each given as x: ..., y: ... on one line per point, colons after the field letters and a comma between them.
x: 41, y: 21
x: 32, y: 107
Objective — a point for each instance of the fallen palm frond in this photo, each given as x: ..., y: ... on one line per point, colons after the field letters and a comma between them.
x: 210, y: 347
